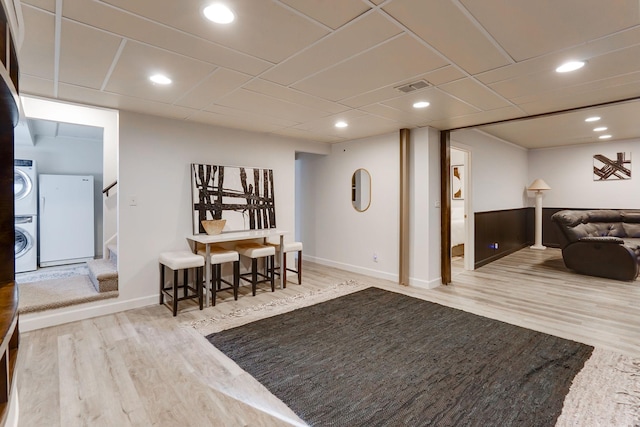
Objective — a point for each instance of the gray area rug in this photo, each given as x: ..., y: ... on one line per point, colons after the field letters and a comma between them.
x: 378, y: 358
x: 56, y: 293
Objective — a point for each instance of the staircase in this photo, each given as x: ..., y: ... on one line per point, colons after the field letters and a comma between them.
x: 104, y: 272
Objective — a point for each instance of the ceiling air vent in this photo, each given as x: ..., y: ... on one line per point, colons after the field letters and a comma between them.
x: 413, y: 86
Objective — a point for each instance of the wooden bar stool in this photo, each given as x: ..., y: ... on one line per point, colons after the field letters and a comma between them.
x: 219, y: 256
x: 289, y: 247
x: 176, y: 261
x: 255, y: 251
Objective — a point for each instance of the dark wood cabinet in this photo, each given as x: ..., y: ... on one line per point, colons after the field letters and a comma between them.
x: 9, y: 114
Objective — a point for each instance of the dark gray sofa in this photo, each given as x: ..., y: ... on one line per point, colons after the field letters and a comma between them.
x: 603, y: 242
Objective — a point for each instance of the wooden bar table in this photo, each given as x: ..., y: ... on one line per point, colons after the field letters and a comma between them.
x: 232, y: 236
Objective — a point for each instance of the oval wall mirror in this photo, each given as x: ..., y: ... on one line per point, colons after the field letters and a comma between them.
x: 361, y: 190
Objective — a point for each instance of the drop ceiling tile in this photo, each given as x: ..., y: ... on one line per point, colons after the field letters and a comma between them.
x: 481, y: 117
x: 361, y: 125
x: 33, y: 85
x: 306, y: 135
x: 89, y: 96
x: 442, y: 104
x: 445, y: 27
x: 335, y: 16
x: 137, y: 62
x: 544, y: 131
x: 395, y: 60
x: 121, y: 102
x: 254, y: 20
x: 219, y: 83
x: 371, y: 125
x: 359, y: 35
x: 615, y: 63
x: 249, y: 116
x: 257, y: 103
x: 593, y: 49
x: 39, y: 42
x: 444, y: 75
x: 236, y: 120
x: 609, y: 94
x: 529, y: 29
x: 49, y: 5
x: 474, y: 93
x: 415, y: 118
x: 441, y: 75
x: 328, y: 122
x: 580, y: 89
x: 160, y: 109
x: 124, y: 24
x: 291, y: 95
x: 570, y: 128
x: 87, y: 54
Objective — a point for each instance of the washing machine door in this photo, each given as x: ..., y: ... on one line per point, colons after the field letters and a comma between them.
x: 22, y: 185
x: 24, y: 242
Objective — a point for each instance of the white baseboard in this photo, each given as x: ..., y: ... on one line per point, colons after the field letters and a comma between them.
x: 353, y: 268
x: 425, y: 284
x: 418, y: 283
x: 59, y: 316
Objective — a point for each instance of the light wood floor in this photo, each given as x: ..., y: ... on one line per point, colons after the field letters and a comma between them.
x: 143, y: 367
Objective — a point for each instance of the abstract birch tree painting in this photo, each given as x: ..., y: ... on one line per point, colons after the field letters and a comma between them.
x: 243, y: 196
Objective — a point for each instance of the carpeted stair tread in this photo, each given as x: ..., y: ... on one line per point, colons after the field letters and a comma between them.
x: 103, y: 274
x: 59, y: 292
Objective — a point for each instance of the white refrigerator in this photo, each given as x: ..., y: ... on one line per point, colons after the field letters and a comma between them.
x: 66, y: 219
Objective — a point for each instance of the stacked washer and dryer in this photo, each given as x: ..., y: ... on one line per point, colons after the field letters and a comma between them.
x: 26, y: 218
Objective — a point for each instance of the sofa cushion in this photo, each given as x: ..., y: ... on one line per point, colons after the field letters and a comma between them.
x: 615, y: 229
x: 603, y: 215
x: 581, y: 230
x: 632, y: 230
x: 631, y: 217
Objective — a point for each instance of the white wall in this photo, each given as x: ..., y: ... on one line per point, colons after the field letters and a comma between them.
x: 569, y: 173
x: 155, y: 159
x: 335, y: 234
x: 70, y: 156
x: 499, y: 171
x: 333, y: 231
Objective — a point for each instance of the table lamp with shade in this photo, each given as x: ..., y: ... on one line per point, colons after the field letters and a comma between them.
x: 538, y: 186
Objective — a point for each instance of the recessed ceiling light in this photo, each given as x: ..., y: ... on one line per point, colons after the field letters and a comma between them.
x: 160, y: 79
x: 604, y: 136
x: 600, y: 129
x: 219, y: 13
x: 421, y: 104
x: 341, y: 124
x: 592, y: 119
x: 570, y: 66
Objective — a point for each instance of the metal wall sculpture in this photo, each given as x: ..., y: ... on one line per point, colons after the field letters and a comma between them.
x: 607, y: 168
x: 242, y: 196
